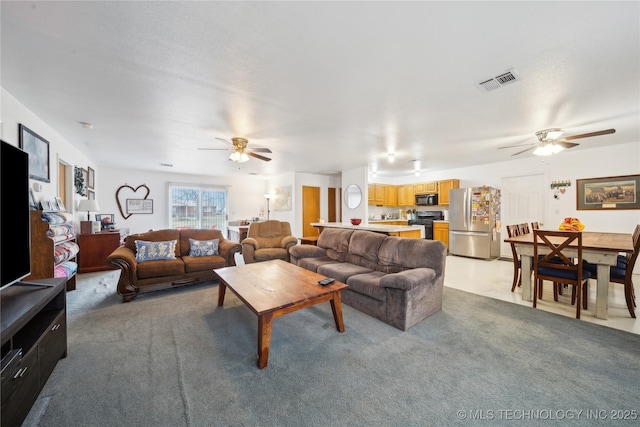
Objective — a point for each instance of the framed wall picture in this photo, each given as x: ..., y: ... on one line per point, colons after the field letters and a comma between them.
x: 91, y: 195
x: 91, y: 178
x: 282, y: 200
x: 139, y: 206
x: 38, y: 149
x: 612, y: 192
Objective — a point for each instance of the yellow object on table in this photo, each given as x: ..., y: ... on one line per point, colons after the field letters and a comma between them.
x: 571, y: 224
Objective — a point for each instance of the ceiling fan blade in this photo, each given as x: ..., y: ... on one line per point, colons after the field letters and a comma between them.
x: 525, y: 150
x: 260, y: 150
x: 566, y: 144
x: 225, y: 141
x: 587, y: 135
x: 258, y: 156
x: 513, y: 146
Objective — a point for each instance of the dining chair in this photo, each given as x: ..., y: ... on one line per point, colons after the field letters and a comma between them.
x: 535, y: 225
x: 562, y: 269
x: 514, y: 230
x: 622, y: 272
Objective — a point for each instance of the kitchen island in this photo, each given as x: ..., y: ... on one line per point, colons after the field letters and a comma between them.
x: 414, y: 231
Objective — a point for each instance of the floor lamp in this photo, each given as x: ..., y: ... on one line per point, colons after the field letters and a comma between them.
x: 268, y: 197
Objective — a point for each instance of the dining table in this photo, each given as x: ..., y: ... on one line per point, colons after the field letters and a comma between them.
x: 600, y: 248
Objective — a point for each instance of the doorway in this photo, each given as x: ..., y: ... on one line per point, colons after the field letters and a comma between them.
x: 331, y: 204
x: 523, y: 200
x: 310, y: 210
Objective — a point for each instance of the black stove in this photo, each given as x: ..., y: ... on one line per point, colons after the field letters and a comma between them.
x: 426, y: 218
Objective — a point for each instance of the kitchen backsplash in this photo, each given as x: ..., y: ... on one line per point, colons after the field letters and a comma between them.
x: 376, y: 212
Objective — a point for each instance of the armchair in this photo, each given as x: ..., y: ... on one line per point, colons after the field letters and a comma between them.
x: 268, y: 240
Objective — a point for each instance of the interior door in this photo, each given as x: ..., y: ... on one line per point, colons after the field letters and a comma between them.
x: 523, y: 200
x: 331, y: 193
x: 310, y: 210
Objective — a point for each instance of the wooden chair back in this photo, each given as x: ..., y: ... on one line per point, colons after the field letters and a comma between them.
x: 535, y: 225
x: 555, y: 265
x: 631, y: 257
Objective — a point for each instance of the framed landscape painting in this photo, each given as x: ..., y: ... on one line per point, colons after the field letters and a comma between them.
x: 613, y: 192
x: 38, y: 149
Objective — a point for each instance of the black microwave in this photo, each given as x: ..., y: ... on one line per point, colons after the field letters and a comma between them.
x: 426, y: 199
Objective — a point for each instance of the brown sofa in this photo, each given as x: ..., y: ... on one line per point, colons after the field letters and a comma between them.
x: 398, y: 280
x: 268, y: 240
x: 138, y: 277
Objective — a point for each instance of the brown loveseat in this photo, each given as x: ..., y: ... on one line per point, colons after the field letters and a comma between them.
x: 398, y: 280
x: 138, y: 277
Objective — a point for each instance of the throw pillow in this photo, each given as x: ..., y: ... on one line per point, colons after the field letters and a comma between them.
x: 203, y: 247
x: 153, y: 251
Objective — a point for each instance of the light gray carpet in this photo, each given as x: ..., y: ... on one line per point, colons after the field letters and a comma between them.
x: 173, y: 358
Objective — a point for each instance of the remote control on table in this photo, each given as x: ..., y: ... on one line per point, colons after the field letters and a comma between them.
x: 325, y: 282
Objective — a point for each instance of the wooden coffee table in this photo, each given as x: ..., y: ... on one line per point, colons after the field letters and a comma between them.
x: 274, y: 288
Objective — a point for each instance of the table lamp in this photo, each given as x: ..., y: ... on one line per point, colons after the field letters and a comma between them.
x: 86, y: 227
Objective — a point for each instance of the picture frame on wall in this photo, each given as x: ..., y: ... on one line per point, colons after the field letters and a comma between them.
x: 612, y: 192
x: 38, y: 149
x: 91, y: 195
x: 139, y: 206
x: 91, y: 178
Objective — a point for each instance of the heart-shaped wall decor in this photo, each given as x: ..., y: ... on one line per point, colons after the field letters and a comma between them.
x: 129, y: 193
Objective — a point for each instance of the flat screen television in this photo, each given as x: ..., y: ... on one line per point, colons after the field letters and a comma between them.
x: 15, y: 223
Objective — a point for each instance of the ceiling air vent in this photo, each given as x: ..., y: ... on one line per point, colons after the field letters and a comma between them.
x: 497, y: 82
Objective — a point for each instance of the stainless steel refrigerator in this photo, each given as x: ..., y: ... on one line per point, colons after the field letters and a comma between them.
x: 473, y: 214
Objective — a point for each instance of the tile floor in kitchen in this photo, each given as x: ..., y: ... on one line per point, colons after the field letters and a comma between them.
x: 493, y: 279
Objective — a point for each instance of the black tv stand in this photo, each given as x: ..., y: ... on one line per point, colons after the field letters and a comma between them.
x: 37, y: 284
x: 34, y: 338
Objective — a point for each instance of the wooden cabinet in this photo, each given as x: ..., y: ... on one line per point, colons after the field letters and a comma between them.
x: 406, y: 195
x: 49, y: 252
x: 375, y: 194
x: 426, y: 187
x: 443, y: 192
x: 34, y: 338
x: 441, y: 232
x: 390, y: 195
x: 94, y: 250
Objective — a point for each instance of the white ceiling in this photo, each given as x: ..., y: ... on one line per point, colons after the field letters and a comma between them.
x: 327, y: 86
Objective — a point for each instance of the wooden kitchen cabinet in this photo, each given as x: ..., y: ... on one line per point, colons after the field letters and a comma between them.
x: 406, y: 195
x: 426, y: 187
x: 443, y: 192
x: 441, y: 232
x: 376, y: 194
x: 390, y: 195
x: 94, y: 250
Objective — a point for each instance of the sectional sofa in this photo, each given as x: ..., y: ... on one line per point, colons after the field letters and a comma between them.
x: 395, y: 279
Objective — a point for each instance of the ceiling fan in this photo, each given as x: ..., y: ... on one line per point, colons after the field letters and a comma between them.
x: 549, y: 141
x: 240, y: 152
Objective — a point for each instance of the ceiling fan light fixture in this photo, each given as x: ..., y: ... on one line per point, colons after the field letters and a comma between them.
x: 548, y: 149
x: 549, y: 134
x: 235, y: 156
x: 244, y: 157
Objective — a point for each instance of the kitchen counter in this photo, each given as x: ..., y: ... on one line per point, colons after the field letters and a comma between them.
x: 237, y: 233
x: 415, y: 231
